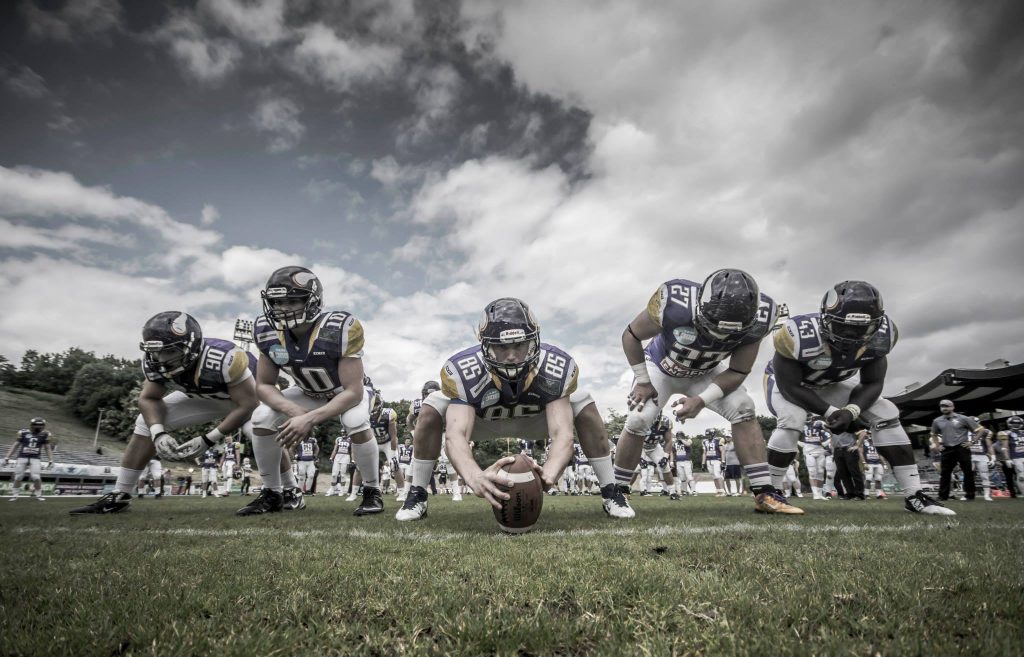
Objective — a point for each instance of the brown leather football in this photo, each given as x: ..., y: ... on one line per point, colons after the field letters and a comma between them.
x: 519, y: 513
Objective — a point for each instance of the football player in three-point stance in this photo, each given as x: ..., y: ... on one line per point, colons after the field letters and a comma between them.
x: 817, y: 357
x: 694, y: 329
x: 509, y: 385
x: 322, y: 351
x: 190, y: 380
x: 29, y: 445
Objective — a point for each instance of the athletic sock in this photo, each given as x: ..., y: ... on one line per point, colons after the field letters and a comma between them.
x: 268, y: 460
x: 367, y: 458
x: 422, y: 470
x: 288, y: 479
x: 127, y: 480
x: 604, y: 470
x: 908, y: 477
x: 762, y: 477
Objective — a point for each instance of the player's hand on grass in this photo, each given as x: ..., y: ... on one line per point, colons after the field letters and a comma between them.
x: 487, y: 483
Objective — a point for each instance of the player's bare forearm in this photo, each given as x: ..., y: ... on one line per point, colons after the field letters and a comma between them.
x: 787, y: 378
x: 270, y: 395
x: 151, y: 403
x: 459, y: 420
x: 641, y: 328
x: 339, y: 404
x: 872, y: 379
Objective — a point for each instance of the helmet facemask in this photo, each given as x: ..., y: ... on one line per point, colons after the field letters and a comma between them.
x: 728, y: 304
x: 513, y: 354
x: 287, y: 309
x: 1015, y: 423
x: 170, y: 358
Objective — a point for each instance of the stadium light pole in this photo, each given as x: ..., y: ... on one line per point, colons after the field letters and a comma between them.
x: 243, y: 332
x: 96, y: 438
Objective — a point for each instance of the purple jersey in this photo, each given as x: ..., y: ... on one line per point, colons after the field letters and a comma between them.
x: 682, y: 451
x: 343, y: 445
x: 30, y: 445
x: 526, y: 447
x: 679, y: 350
x: 978, y: 446
x: 405, y: 453
x: 815, y: 437
x: 712, y: 449
x: 800, y: 339
x: 465, y: 380
x: 1015, y: 441
x: 230, y: 451
x: 656, y: 435
x: 312, y: 360
x: 381, y: 425
x: 870, y: 453
x: 210, y: 459
x: 306, y: 450
x: 220, y: 365
x: 581, y: 458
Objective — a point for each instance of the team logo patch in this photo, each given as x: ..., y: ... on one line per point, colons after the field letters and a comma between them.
x: 278, y: 354
x: 822, y: 362
x: 301, y: 278
x: 490, y: 398
x: 684, y: 334
x: 831, y: 299
x: 180, y: 324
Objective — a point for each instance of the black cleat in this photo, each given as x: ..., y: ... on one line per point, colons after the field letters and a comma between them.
x: 372, y: 502
x: 109, y: 503
x: 293, y: 499
x: 268, y: 501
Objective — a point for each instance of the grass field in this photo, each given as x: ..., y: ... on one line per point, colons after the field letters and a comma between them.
x: 18, y: 406
x: 698, y: 576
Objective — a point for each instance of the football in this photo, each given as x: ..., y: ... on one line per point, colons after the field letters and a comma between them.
x: 520, y: 512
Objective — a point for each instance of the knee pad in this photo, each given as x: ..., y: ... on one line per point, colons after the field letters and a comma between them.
x: 263, y: 418
x: 639, y: 423
x: 356, y: 419
x: 784, y: 440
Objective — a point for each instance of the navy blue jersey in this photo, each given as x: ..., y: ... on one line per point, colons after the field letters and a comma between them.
x: 306, y: 450
x: 656, y: 435
x: 343, y: 444
x: 220, y: 365
x: 712, y: 449
x: 978, y: 446
x: 682, y: 450
x: 1015, y: 441
x: 465, y: 380
x: 381, y: 424
x: 815, y: 436
x: 580, y: 457
x: 870, y: 453
x: 679, y: 350
x: 210, y: 459
x: 30, y: 445
x: 405, y: 453
x: 312, y: 360
x: 801, y: 339
x: 230, y: 451
x: 526, y: 447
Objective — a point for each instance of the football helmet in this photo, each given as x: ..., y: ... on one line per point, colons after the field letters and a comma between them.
x: 37, y: 424
x: 246, y: 461
x: 429, y: 387
x: 510, y: 337
x: 727, y: 305
x: 292, y: 297
x: 172, y: 341
x: 851, y: 313
x: 819, y: 425
x: 1016, y: 423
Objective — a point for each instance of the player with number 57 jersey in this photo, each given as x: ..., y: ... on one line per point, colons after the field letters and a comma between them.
x: 509, y: 385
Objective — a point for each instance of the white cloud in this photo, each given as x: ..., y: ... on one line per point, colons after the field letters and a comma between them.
x: 435, y: 91
x: 26, y: 83
x: 209, y: 215
x: 323, y: 56
x: 205, y: 58
x: 280, y: 117
x: 260, y: 22
x: 318, y: 190
x: 77, y: 19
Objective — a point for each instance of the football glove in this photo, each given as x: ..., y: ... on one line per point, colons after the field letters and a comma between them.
x: 166, y: 446
x: 194, y: 447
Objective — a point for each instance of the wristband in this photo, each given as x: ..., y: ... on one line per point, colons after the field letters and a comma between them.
x: 214, y: 436
x: 640, y: 372
x: 712, y: 394
x: 156, y: 429
x: 854, y: 409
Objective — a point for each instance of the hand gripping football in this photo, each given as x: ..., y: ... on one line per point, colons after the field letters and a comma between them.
x: 520, y: 512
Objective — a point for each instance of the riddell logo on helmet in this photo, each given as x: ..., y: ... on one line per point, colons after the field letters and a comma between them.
x: 276, y: 292
x: 511, y: 335
x: 857, y: 318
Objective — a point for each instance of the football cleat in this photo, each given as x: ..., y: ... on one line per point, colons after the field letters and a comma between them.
x: 415, y: 507
x: 268, y: 501
x: 40, y: 498
x: 456, y: 496
x: 401, y: 494
x: 673, y: 496
x: 351, y: 497
x: 109, y: 503
x: 372, y: 502
x: 293, y: 500
x: 774, y: 502
x: 615, y: 502
x: 921, y: 503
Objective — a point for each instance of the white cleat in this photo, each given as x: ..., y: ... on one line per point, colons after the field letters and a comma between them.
x: 415, y: 507
x: 456, y: 497
x: 615, y: 503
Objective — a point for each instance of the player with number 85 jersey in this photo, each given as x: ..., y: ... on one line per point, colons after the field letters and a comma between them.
x: 509, y: 385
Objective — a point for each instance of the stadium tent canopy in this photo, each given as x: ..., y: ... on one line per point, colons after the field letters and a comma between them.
x: 975, y: 392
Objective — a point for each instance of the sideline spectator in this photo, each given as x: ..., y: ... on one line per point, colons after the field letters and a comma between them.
x: 957, y: 433
x: 848, y: 470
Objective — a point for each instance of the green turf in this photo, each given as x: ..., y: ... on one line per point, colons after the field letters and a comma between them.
x: 694, y: 577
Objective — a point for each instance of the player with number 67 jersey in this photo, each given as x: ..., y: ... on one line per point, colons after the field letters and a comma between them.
x: 509, y: 385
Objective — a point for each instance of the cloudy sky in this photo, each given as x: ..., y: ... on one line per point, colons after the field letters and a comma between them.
x: 425, y: 158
